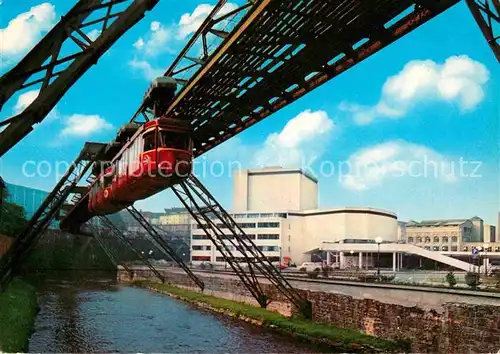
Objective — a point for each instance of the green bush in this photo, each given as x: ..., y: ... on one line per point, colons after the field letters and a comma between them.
x: 387, y: 278
x: 368, y: 277
x: 451, y: 280
x: 18, y: 308
x: 472, y: 279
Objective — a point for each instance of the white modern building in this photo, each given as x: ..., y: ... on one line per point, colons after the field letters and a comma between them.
x: 278, y: 209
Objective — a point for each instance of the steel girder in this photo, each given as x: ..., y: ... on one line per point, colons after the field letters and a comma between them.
x: 282, y: 50
x: 212, y: 218
x: 47, y: 212
x: 126, y: 242
x: 163, y: 245
x: 98, y: 234
x: 59, y: 70
x: 204, y: 42
x: 487, y: 15
x: 277, y: 53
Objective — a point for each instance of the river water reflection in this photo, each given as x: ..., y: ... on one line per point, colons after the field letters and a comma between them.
x: 103, y: 316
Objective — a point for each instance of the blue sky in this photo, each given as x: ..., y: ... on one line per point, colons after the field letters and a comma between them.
x: 430, y: 97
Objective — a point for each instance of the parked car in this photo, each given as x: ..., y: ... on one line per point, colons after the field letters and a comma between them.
x: 310, y: 267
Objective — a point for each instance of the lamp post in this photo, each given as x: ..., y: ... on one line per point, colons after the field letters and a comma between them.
x: 378, y: 240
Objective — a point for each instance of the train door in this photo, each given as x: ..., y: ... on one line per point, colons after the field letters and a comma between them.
x: 107, y: 185
x: 149, y: 152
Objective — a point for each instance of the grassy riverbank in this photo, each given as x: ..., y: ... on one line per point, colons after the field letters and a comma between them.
x: 340, y: 338
x: 18, y: 308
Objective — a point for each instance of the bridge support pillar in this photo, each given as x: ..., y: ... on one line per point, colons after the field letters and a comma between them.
x: 360, y: 260
x: 328, y: 258
x: 394, y: 258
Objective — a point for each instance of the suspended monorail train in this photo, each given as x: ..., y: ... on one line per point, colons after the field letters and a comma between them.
x: 158, y: 156
x: 155, y: 156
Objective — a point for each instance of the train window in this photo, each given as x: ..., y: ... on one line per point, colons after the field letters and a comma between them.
x: 149, y: 141
x: 108, y: 178
x: 173, y: 140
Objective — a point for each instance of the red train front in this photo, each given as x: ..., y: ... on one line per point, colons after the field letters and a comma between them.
x: 156, y: 157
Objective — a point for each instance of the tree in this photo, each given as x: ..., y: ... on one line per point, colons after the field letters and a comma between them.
x: 12, y: 218
x: 450, y: 278
x: 472, y: 279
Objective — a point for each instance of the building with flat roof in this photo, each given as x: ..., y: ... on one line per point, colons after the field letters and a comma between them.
x: 29, y: 198
x: 180, y: 218
x: 278, y: 209
x: 490, y: 233
x: 440, y: 235
x: 271, y: 189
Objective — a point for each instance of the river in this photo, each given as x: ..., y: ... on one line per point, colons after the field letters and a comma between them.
x: 99, y: 315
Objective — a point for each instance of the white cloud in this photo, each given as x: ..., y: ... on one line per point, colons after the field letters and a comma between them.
x: 146, y: 69
x: 156, y: 40
x: 94, y: 34
x: 81, y: 125
x: 302, y: 140
x: 24, y: 31
x: 161, y: 38
x: 459, y: 80
x: 26, y: 98
x: 189, y: 23
x: 371, y: 166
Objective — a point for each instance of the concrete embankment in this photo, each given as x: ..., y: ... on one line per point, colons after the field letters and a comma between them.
x: 18, y: 309
x: 455, y: 327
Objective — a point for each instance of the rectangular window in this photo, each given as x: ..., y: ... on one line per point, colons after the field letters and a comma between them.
x: 149, y: 141
x: 247, y: 225
x: 201, y: 258
x: 200, y: 237
x: 269, y: 248
x: 202, y: 248
x: 269, y: 224
x: 173, y: 140
x: 268, y: 237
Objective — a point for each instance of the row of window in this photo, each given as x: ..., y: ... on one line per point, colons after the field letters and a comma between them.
x: 455, y: 248
x: 202, y: 248
x: 250, y: 236
x: 242, y: 259
x: 247, y: 225
x: 429, y: 233
x: 488, y: 249
x: 253, y: 216
x: 233, y: 248
x: 443, y: 248
x: 428, y: 239
x: 259, y: 215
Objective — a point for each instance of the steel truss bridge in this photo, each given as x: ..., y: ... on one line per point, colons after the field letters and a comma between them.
x: 254, y: 60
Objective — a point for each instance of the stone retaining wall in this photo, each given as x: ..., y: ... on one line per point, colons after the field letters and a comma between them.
x: 458, y: 328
